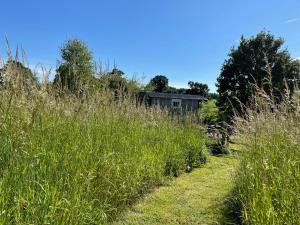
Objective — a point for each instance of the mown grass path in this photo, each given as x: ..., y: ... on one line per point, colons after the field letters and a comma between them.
x: 194, y: 198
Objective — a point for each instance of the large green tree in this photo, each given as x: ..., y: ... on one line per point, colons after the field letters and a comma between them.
x: 259, y: 61
x: 197, y: 88
x: 76, y: 70
x: 159, y: 83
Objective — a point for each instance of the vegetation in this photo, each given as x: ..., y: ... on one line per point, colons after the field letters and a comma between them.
x: 80, y: 150
x: 116, y: 82
x: 256, y: 84
x: 9, y: 76
x: 76, y: 71
x: 197, y: 88
x: 195, y: 198
x: 81, y: 159
x: 251, y: 65
x: 209, y: 112
x: 158, y: 83
x: 213, y: 96
x: 268, y: 181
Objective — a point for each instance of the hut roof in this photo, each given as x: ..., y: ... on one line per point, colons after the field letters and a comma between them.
x: 174, y: 96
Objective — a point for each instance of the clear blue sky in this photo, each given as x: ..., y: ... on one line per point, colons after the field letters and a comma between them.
x: 182, y: 39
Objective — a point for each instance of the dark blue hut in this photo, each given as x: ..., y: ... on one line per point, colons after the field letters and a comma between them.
x: 174, y: 102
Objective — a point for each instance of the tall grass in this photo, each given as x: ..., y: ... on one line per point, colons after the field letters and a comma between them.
x: 65, y: 160
x: 268, y: 181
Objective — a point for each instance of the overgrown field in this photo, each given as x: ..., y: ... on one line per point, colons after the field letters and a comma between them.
x: 268, y: 181
x: 65, y: 160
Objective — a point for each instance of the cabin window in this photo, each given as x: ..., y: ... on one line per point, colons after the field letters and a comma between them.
x: 176, y: 103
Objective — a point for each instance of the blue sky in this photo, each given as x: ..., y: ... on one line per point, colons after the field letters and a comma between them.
x: 182, y: 39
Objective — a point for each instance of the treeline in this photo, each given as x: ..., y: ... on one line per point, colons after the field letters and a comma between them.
x: 259, y: 62
x: 160, y: 83
x: 78, y: 73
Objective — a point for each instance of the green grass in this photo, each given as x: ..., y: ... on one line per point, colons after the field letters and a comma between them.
x: 209, y: 112
x: 83, y: 161
x: 194, y: 198
x: 268, y: 181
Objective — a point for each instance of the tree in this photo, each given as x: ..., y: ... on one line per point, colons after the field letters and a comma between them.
x: 76, y: 71
x: 117, y: 83
x: 197, y: 88
x: 14, y: 73
x: 158, y: 83
x: 258, y: 61
x: 114, y: 80
x: 170, y: 89
x: 213, y: 96
x: 116, y: 71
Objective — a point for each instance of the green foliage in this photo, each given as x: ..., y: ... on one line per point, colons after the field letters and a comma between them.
x: 259, y: 62
x: 197, y: 88
x: 114, y: 81
x: 118, y: 84
x: 268, y: 181
x: 213, y: 96
x: 15, y: 75
x: 65, y: 161
x: 159, y: 83
x: 181, y: 91
x: 76, y: 71
x: 170, y: 89
x: 209, y: 112
x: 133, y: 86
x: 194, y: 198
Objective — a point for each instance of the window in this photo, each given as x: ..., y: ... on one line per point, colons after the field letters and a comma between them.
x: 176, y: 103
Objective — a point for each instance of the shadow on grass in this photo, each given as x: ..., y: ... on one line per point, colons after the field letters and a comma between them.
x: 230, y: 213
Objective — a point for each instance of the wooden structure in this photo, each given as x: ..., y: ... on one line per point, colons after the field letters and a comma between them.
x: 180, y: 103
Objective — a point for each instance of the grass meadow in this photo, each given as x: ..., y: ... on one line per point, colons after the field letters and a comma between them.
x: 268, y: 180
x: 85, y: 160
x: 65, y: 160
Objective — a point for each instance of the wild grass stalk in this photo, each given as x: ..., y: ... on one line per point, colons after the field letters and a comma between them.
x: 65, y: 160
x: 268, y: 181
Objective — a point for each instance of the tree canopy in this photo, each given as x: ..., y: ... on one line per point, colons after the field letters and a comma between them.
x: 77, y: 67
x: 159, y: 83
x: 197, y: 88
x: 258, y: 61
x: 116, y: 81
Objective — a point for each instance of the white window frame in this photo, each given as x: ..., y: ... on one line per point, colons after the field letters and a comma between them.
x: 176, y: 100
